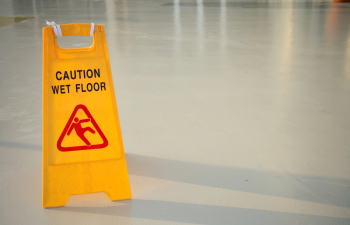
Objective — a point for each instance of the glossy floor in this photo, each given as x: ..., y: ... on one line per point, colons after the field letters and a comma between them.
x: 232, y: 112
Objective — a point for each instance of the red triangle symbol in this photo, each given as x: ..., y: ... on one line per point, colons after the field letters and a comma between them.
x: 74, y: 124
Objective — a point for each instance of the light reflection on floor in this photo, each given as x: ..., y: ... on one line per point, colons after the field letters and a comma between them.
x: 5, y: 20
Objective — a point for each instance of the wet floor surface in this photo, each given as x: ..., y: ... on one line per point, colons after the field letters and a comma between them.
x: 232, y: 112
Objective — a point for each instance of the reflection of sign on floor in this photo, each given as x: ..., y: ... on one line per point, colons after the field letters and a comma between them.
x: 76, y: 124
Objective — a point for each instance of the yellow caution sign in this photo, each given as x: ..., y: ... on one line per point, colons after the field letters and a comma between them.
x: 82, y: 143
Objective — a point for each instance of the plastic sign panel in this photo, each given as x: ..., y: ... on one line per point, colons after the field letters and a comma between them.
x: 82, y: 143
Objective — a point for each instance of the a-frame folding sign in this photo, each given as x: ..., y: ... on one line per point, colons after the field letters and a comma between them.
x: 82, y: 143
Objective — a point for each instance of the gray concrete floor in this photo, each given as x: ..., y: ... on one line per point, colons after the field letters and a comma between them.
x: 232, y: 112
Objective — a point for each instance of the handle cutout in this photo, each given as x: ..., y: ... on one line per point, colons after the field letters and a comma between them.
x: 77, y: 41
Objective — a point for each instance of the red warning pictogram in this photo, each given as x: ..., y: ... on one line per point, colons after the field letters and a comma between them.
x: 74, y: 124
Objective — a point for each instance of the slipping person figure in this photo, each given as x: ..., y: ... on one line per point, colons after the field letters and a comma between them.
x: 79, y: 130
